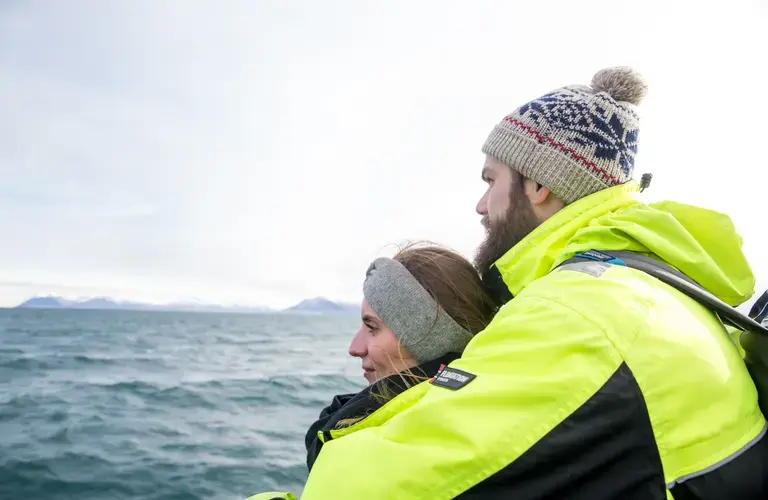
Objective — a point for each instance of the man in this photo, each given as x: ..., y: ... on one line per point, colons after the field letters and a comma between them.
x: 595, y: 380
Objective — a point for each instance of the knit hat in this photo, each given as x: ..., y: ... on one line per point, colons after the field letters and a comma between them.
x: 575, y: 140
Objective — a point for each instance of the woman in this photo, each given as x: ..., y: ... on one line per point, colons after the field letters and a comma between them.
x: 421, y: 309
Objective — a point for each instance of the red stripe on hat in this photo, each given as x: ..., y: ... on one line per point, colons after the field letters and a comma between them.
x: 562, y: 147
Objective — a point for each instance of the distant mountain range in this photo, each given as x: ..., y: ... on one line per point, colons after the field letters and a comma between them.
x: 316, y: 305
x: 320, y: 305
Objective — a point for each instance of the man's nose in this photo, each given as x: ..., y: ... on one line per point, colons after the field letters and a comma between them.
x: 482, y: 205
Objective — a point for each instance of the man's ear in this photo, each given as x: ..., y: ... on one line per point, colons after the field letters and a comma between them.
x: 537, y: 194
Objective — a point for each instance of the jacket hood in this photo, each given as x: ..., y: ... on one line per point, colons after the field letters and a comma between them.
x: 701, y: 243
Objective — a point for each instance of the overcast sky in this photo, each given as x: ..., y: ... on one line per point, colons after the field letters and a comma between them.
x: 262, y: 152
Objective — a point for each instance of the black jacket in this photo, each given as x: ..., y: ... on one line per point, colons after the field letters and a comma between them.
x: 759, y: 311
x: 361, y: 404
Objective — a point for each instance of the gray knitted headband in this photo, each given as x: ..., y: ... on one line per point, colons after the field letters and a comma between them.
x: 410, y: 312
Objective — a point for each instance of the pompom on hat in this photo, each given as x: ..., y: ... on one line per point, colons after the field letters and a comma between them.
x: 575, y: 140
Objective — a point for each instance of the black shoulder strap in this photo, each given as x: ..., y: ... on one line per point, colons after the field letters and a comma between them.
x: 677, y: 280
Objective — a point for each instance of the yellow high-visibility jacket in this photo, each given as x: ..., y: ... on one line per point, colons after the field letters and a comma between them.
x: 593, y: 382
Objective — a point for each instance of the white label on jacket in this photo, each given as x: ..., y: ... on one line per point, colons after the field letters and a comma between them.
x: 452, y: 378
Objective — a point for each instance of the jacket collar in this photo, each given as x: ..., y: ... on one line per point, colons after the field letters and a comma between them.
x: 548, y: 245
x: 365, y: 402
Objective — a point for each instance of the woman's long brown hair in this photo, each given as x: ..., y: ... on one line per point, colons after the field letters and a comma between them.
x: 452, y: 281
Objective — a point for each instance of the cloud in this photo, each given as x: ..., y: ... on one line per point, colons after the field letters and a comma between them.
x: 263, y: 152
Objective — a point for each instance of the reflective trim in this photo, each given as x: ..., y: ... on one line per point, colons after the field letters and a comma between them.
x: 592, y: 268
x: 721, y: 463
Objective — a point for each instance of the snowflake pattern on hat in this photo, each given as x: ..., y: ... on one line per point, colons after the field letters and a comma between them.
x: 587, y: 124
x: 575, y: 140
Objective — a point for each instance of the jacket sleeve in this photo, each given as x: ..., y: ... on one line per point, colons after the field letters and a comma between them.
x: 755, y: 345
x: 273, y: 495
x: 535, y: 365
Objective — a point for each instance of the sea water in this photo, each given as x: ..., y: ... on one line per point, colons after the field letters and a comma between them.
x: 157, y: 405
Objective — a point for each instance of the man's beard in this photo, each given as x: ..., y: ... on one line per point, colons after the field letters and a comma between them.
x: 501, y: 235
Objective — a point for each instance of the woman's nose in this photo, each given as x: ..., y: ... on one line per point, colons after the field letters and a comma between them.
x: 357, y: 347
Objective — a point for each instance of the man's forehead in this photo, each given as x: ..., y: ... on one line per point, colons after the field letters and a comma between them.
x: 493, y: 161
x: 491, y: 165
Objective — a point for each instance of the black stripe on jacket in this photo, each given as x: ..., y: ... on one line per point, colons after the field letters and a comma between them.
x: 607, y: 450
x: 604, y: 450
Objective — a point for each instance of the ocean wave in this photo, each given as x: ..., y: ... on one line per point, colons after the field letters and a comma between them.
x: 143, y: 406
x: 54, y: 361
